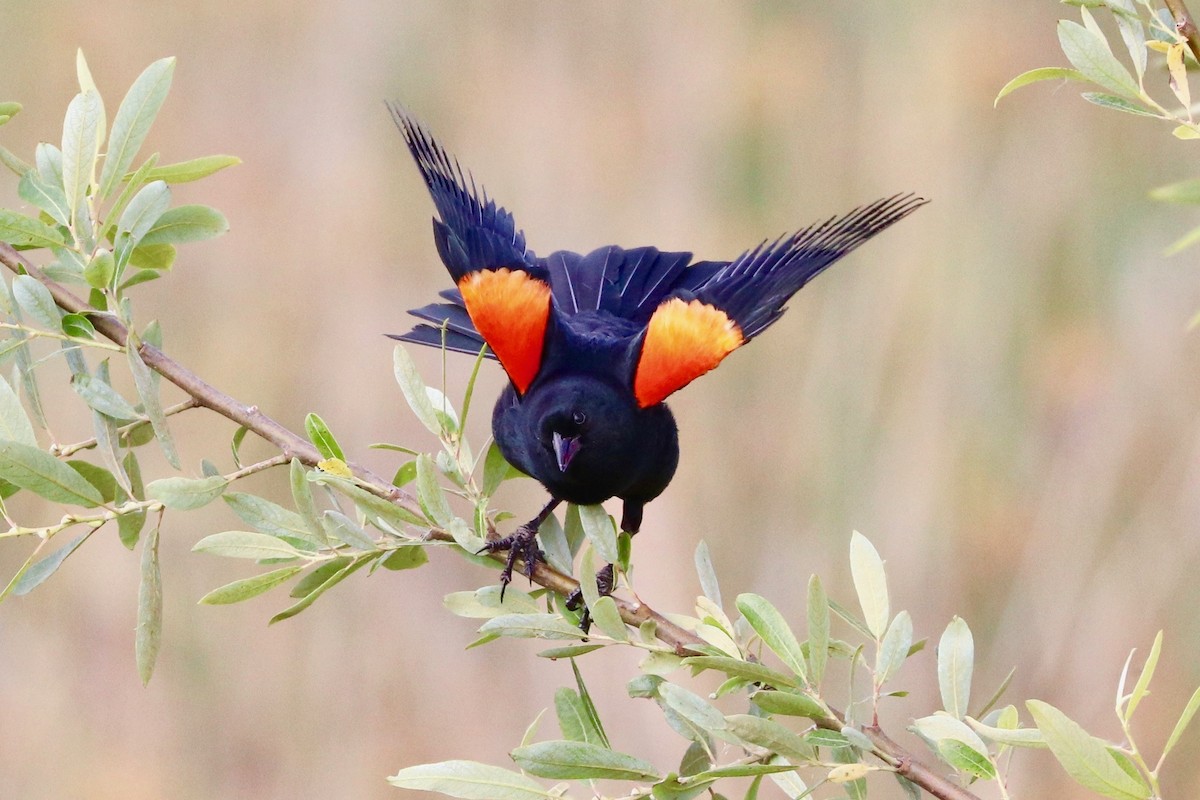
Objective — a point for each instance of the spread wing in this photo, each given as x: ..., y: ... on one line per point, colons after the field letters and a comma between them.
x: 694, y: 329
x: 503, y: 288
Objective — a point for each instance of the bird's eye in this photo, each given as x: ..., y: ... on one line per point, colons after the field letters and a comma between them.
x: 579, y: 417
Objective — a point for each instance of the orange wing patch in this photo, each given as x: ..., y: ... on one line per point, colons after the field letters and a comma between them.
x: 683, y: 341
x: 510, y: 309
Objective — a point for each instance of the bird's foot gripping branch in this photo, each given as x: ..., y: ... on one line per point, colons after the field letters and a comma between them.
x: 103, y: 226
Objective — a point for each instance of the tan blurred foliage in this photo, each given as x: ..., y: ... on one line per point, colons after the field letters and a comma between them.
x: 1000, y: 391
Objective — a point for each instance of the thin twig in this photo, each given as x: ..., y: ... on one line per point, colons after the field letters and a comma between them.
x: 64, y: 450
x: 291, y: 445
x: 1185, y: 25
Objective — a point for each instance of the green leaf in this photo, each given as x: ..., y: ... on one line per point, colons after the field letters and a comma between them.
x: 10, y: 109
x: 692, y: 707
x: 1035, y: 75
x: 414, y: 390
x: 570, y: 651
x: 147, y: 389
x: 21, y: 231
x: 44, y: 475
x: 870, y: 583
x: 244, y: 544
x: 589, y: 707
x: 1083, y: 756
x: 302, y: 497
x: 342, y: 529
x: 403, y: 558
x: 103, y: 398
x: 14, y: 422
x: 104, y: 481
x: 191, y: 170
x: 485, y: 603
x: 470, y: 780
x: 246, y: 588
x: 80, y: 145
x: 528, y: 626
x: 133, y: 120
x: 148, y: 636
x: 608, y: 619
x: 145, y: 209
x: 135, y: 185
x: 46, y: 196
x: 322, y: 439
x: 1132, y: 31
x: 129, y: 525
x: 790, y: 704
x: 1185, y: 132
x: 49, y: 161
x: 381, y: 512
x: 564, y: 760
x: 37, y: 574
x: 706, y: 573
x: 1014, y: 737
x: 320, y: 575
x: 771, y: 735
x: 938, y: 727
x: 769, y: 624
x: 152, y: 257
x: 967, y: 759
x: 1089, y: 53
x: 600, y: 531
x: 334, y: 578
x: 573, y: 719
x: 1185, y: 719
x: 736, y: 668
x: 818, y: 630
x: 825, y: 738
x: 271, y: 518
x: 894, y: 648
x: 430, y: 493
x: 1185, y: 192
x: 192, y: 223
x: 495, y: 470
x: 1117, y: 104
x: 1142, y: 687
x: 185, y: 494
x: 36, y: 301
x: 1182, y: 243
x: 956, y: 658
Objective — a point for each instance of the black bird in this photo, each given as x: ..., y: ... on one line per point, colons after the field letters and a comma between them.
x: 593, y: 344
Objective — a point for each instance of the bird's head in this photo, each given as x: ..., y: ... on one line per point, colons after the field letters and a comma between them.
x: 582, y: 421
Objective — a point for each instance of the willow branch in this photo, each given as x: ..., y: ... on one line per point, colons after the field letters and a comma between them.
x: 292, y: 445
x: 1185, y: 25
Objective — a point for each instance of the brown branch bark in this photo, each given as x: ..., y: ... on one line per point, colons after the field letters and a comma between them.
x: 292, y: 445
x: 1185, y: 25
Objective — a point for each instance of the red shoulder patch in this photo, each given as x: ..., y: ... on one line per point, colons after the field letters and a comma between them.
x: 683, y: 341
x: 510, y: 309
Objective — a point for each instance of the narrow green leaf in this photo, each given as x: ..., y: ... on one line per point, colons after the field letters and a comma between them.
x: 1089, y: 53
x: 771, y: 735
x: 86, y: 83
x: 825, y: 738
x: 246, y: 588
x: 135, y: 184
x: 589, y: 707
x: 155, y: 257
x: 870, y: 583
x: 706, y: 573
x: 302, y: 497
x: 41, y: 473
x: 430, y: 493
x: 80, y: 146
x: 956, y: 659
x: 10, y: 109
x: 103, y: 398
x: 382, y: 513
x: 414, y: 390
x: 147, y: 389
x: 528, y: 626
x: 1117, y: 104
x: 99, y: 477
x: 403, y: 558
x: 319, y: 576
x: 608, y: 619
x: 1083, y: 756
x: 245, y: 544
x: 495, y: 470
x: 1035, y: 75
x: 133, y: 120
x: 939, y: 727
x: 818, y: 630
x: 570, y: 651
x: 148, y: 636
x: 1185, y: 719
x: 271, y: 518
x: 771, y: 627
x: 191, y: 223
x: 37, y: 574
x: 1186, y: 192
x: 737, y: 668
x: 573, y: 720
x: 14, y: 422
x: 565, y: 760
x: 1185, y: 132
x: 185, y: 494
x: 191, y: 170
x: 1132, y: 31
x: 36, y: 301
x: 1142, y: 687
x: 790, y: 704
x: 894, y: 648
x: 145, y: 209
x: 470, y: 780
x: 600, y: 531
x: 1013, y: 737
x: 692, y: 708
x: 322, y: 439
x: 792, y: 785
x: 48, y: 197
x: 341, y: 528
x: 15, y: 164
x: 21, y: 231
x: 1182, y: 243
x: 966, y: 759
x: 312, y: 594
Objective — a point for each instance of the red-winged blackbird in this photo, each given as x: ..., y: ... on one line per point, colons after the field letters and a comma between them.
x: 593, y: 344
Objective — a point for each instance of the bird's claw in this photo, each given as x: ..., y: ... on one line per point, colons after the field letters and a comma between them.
x: 605, y: 579
x: 522, y: 544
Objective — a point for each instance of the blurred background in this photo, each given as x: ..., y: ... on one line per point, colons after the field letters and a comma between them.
x: 1000, y: 392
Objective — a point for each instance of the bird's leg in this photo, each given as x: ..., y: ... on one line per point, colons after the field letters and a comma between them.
x: 631, y: 521
x: 521, y: 543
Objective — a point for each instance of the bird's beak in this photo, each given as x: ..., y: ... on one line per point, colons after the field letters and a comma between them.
x: 565, y: 448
